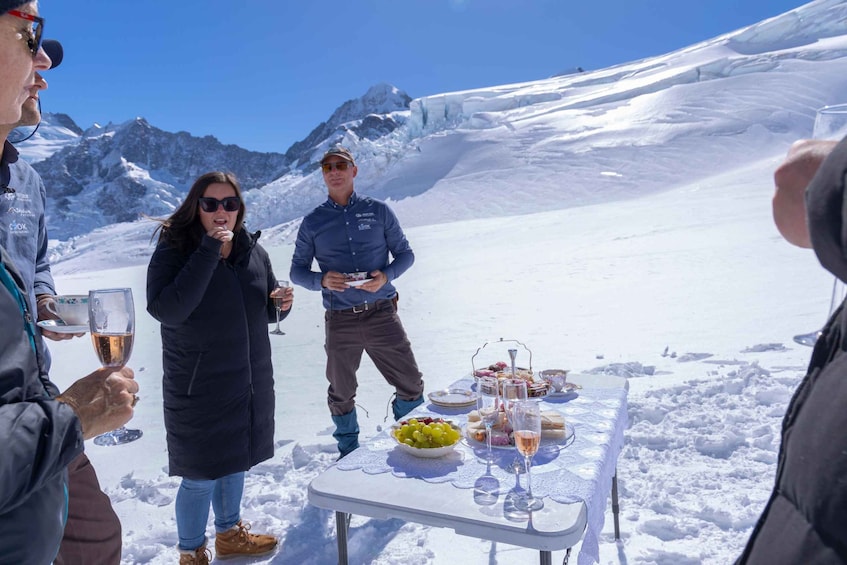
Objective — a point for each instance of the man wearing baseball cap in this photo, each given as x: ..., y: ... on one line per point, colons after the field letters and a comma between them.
x: 92, y: 533
x: 361, y: 249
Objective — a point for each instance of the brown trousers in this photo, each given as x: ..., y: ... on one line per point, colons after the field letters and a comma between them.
x: 379, y: 333
x: 93, y: 532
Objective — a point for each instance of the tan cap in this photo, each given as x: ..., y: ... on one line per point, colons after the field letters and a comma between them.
x: 339, y: 151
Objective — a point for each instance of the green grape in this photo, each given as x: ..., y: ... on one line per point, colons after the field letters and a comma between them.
x: 426, y: 433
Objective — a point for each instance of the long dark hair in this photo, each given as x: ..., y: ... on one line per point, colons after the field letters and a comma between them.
x: 183, y: 229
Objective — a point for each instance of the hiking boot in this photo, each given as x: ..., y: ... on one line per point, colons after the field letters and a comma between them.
x: 238, y: 541
x: 200, y: 556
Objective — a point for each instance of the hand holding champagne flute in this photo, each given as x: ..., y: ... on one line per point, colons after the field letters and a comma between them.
x: 111, y: 318
x: 279, y: 294
x: 830, y: 124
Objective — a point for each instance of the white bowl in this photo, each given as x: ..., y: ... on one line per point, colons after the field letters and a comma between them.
x: 427, y: 452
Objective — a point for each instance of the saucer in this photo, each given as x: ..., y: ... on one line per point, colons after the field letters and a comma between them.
x: 567, y: 389
x: 60, y: 328
x: 452, y: 397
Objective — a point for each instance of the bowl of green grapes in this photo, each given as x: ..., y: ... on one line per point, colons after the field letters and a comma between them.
x: 426, y: 437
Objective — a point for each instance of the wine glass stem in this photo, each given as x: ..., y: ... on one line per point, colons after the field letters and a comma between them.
x: 488, y: 437
x: 277, y: 319
x: 528, y: 459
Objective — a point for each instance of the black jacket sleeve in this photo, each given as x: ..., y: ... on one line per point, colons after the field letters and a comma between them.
x: 175, y: 286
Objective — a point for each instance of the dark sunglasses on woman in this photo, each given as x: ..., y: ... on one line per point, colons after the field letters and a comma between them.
x: 210, y: 205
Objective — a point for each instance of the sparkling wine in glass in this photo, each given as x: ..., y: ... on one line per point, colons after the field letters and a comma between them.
x: 111, y: 319
x: 527, y: 424
x: 514, y: 390
x: 831, y: 124
x: 488, y: 406
x: 280, y: 284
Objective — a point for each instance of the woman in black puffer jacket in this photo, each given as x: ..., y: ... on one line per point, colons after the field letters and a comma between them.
x: 210, y: 285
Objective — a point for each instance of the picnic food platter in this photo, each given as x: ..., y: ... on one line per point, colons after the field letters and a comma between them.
x: 553, y: 430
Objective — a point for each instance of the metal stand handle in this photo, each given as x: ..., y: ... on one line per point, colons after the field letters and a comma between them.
x: 501, y: 340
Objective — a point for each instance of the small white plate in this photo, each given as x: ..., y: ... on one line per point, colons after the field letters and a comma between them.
x: 56, y: 327
x: 569, y: 388
x: 452, y: 397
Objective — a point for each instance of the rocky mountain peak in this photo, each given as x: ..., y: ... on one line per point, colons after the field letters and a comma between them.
x: 118, y: 172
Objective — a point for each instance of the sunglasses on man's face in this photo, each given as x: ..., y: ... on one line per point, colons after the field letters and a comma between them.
x: 339, y: 166
x: 32, y: 35
x: 210, y: 205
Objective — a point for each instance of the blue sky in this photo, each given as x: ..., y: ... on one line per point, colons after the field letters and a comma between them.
x: 263, y: 73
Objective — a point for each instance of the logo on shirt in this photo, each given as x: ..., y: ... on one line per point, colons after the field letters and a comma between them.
x: 20, y: 211
x: 17, y: 227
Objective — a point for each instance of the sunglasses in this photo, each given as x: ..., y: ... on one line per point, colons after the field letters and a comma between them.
x: 33, y: 35
x: 210, y: 205
x: 339, y: 166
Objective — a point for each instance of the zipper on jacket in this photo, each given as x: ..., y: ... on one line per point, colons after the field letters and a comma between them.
x: 194, y: 373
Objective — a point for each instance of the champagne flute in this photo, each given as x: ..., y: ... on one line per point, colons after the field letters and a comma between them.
x: 830, y: 123
x: 527, y: 424
x: 280, y: 284
x: 488, y: 406
x: 111, y: 319
x: 514, y: 390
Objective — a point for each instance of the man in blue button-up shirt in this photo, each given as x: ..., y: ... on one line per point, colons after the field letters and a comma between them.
x: 360, y: 249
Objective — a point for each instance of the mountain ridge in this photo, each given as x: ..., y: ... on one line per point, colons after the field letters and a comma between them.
x: 518, y: 149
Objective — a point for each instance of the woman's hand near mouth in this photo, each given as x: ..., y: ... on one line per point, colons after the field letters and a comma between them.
x: 221, y: 233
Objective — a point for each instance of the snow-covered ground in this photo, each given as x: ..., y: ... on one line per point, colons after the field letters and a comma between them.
x: 622, y: 225
x: 691, y: 294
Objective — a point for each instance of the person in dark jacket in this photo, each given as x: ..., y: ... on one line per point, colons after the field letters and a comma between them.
x: 805, y: 519
x: 93, y: 531
x: 211, y: 284
x: 41, y: 431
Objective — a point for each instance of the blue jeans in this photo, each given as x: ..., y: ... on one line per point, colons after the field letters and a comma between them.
x: 192, y: 507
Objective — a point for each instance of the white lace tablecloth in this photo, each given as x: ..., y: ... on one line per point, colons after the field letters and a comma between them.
x: 579, y: 468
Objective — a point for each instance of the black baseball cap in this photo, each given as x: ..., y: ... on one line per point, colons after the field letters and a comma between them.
x: 54, y: 50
